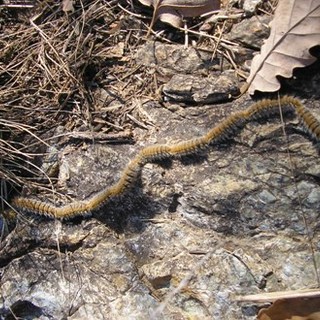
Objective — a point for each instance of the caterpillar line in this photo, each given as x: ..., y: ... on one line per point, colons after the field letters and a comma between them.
x: 224, y: 130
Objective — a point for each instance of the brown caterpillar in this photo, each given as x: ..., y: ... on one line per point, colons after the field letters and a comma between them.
x: 226, y: 129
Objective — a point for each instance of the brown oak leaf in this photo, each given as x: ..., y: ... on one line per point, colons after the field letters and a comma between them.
x: 294, y: 30
x: 173, y: 11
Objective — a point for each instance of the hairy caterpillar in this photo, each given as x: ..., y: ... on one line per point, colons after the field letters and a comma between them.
x: 225, y: 129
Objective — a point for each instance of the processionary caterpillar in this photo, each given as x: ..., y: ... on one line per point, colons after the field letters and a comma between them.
x: 224, y: 130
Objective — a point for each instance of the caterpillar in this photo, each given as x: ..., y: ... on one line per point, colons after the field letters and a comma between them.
x: 224, y: 130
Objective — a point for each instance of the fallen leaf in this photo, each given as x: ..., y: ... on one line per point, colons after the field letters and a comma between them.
x: 173, y: 11
x: 292, y: 309
x: 294, y: 30
x: 67, y: 6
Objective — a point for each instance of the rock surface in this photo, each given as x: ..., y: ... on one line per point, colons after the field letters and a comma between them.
x: 193, y: 89
x: 191, y: 236
x: 251, y: 32
x: 186, y: 242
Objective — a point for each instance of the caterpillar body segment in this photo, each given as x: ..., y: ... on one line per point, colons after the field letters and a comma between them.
x: 77, y: 208
x: 309, y: 121
x: 155, y: 153
x: 34, y: 206
x: 188, y: 147
x: 226, y: 129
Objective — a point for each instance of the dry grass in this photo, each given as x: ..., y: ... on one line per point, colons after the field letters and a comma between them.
x: 65, y: 73
x: 51, y: 65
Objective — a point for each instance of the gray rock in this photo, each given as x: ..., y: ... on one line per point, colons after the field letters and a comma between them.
x: 250, y: 6
x: 193, y: 89
x: 172, y: 59
x: 190, y: 239
x: 251, y: 32
x: 267, y: 197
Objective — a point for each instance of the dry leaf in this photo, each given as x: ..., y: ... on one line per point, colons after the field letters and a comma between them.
x: 292, y: 309
x: 294, y: 30
x: 67, y: 6
x: 172, y: 11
